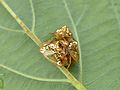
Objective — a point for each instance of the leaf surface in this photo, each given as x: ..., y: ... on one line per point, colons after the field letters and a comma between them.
x: 96, y: 24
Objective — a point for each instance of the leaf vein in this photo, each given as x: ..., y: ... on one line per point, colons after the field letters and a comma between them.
x: 32, y: 77
x: 33, y: 15
x: 11, y: 30
x: 75, y: 31
x: 81, y: 16
x: 116, y: 13
x: 102, y: 48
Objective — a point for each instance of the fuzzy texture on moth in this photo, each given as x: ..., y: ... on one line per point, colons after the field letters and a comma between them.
x: 62, y: 47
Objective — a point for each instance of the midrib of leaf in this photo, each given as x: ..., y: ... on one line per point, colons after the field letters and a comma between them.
x: 75, y: 31
x: 33, y: 77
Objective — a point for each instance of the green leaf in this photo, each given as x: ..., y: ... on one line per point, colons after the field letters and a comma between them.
x: 1, y: 81
x: 1, y: 84
x: 97, y: 24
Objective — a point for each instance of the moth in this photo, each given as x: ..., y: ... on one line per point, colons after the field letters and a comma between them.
x: 61, y: 47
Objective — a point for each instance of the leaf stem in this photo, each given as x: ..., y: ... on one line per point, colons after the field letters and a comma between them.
x: 20, y: 22
x: 70, y: 77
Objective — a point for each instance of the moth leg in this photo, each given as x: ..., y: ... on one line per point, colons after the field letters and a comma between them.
x: 69, y: 62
